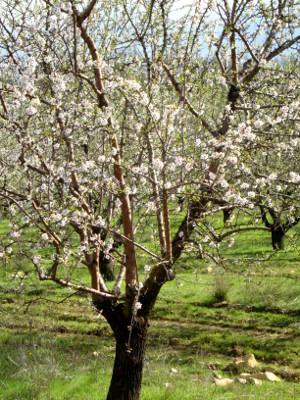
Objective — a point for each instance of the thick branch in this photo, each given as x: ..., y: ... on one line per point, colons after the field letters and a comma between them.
x: 264, y: 217
x: 158, y: 208
x: 187, y: 226
x: 131, y: 263
x: 86, y: 13
x: 81, y: 288
x: 284, y: 46
x: 245, y: 229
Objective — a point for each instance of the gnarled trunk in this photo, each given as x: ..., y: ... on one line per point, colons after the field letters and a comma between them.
x: 126, y: 379
x: 130, y: 331
x: 278, y: 230
x: 278, y: 234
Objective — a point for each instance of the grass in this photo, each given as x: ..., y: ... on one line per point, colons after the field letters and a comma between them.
x: 202, y: 321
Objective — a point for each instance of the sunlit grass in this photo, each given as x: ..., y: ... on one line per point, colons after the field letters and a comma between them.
x: 51, y: 351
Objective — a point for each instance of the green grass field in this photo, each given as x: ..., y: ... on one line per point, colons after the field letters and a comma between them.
x: 202, y: 321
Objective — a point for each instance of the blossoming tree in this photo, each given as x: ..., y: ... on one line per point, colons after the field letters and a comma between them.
x: 109, y: 110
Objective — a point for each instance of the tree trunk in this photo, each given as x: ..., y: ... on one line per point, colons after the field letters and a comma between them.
x: 126, y: 379
x: 278, y: 234
x: 227, y: 214
x: 130, y: 331
x: 187, y: 226
x: 107, y: 264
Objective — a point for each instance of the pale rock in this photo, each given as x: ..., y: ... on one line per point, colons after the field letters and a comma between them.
x: 243, y: 364
x: 272, y: 377
x: 251, y: 361
x: 242, y: 381
x: 246, y: 363
x: 259, y: 375
x: 267, y: 376
x: 223, y: 382
x: 245, y: 375
x: 255, y: 381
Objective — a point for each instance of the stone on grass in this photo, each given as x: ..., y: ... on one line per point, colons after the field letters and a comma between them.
x: 223, y: 382
x: 270, y: 376
x: 245, y: 375
x: 255, y: 381
x: 267, y: 376
x: 242, y: 381
x: 249, y: 378
x: 251, y: 361
x: 243, y: 364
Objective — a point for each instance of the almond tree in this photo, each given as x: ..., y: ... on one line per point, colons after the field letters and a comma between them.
x: 254, y: 121
x: 108, y: 112
x: 266, y: 170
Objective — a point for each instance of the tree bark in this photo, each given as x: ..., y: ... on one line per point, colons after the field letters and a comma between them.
x: 227, y: 214
x: 107, y: 264
x: 126, y: 379
x: 278, y: 234
x: 278, y: 230
x: 195, y: 209
x: 130, y: 331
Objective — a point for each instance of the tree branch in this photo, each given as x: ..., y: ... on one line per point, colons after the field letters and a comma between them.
x: 185, y: 100
x: 86, y: 13
x: 81, y: 288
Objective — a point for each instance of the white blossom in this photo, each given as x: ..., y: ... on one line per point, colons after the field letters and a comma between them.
x: 197, y: 142
x: 158, y: 164
x: 273, y: 176
x: 188, y: 166
x: 251, y: 194
x: 31, y: 110
x: 222, y: 81
x: 36, y: 259
x: 294, y: 177
x: 231, y: 241
x: 56, y: 217
x: 258, y: 123
x: 101, y: 158
x: 137, y: 306
x: 249, y: 135
x: 245, y: 185
x: 15, y: 234
x: 44, y: 236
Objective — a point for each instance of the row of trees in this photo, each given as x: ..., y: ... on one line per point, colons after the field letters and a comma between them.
x: 112, y: 110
